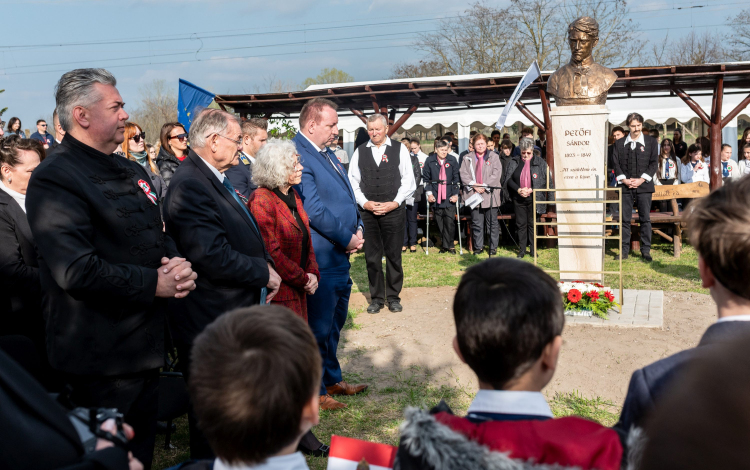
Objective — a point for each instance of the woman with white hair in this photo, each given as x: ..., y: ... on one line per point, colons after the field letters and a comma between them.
x: 283, y: 222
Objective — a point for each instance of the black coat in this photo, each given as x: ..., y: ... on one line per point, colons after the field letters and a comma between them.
x: 646, y: 158
x: 100, y: 242
x: 20, y: 291
x: 167, y: 164
x: 36, y: 432
x: 417, y: 178
x: 241, y: 177
x: 216, y: 235
x: 538, y: 181
x: 431, y: 172
x: 649, y: 384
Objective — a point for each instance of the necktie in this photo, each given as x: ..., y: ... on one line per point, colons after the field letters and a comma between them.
x: 328, y: 157
x: 230, y: 188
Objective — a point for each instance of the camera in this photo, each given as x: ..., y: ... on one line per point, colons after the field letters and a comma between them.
x: 88, y: 422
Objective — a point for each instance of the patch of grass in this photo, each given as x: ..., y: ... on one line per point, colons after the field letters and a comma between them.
x: 664, y: 273
x: 165, y: 458
x: 596, y: 409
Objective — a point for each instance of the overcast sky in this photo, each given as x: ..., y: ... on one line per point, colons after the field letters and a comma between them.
x: 229, y: 46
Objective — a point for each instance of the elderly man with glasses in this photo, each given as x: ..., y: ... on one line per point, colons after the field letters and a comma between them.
x: 214, y: 230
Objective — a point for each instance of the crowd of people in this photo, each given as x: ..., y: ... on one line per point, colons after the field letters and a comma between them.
x: 117, y: 255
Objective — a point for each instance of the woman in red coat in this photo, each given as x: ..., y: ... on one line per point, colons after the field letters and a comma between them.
x: 283, y: 222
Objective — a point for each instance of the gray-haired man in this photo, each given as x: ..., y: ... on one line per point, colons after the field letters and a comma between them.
x: 382, y: 178
x: 105, y: 265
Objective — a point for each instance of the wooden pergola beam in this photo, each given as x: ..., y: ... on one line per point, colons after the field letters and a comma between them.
x: 715, y: 134
x: 397, y: 125
x: 544, y: 99
x: 530, y: 116
x: 737, y: 110
x: 360, y: 115
x: 693, y: 105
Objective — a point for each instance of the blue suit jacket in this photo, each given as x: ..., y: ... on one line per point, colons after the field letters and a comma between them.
x: 649, y: 384
x: 241, y: 177
x: 329, y: 201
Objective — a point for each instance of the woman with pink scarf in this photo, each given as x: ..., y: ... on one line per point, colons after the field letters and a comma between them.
x: 525, y: 174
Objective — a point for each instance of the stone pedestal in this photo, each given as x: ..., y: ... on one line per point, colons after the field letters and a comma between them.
x: 580, y: 147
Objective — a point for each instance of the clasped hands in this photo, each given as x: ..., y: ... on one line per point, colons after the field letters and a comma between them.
x: 176, y: 278
x: 452, y: 199
x: 380, y: 208
x: 356, y: 242
x: 633, y: 183
x: 525, y: 192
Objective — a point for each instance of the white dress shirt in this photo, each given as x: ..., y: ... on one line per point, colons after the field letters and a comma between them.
x: 639, y: 140
x: 20, y: 198
x: 408, y: 185
x: 510, y: 402
x: 734, y: 318
x: 318, y: 149
x: 295, y: 461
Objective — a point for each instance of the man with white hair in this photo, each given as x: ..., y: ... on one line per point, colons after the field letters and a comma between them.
x: 106, y: 268
x: 382, y: 178
x: 214, y: 229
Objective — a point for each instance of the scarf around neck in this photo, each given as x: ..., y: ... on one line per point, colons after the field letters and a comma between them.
x: 526, y: 174
x: 478, y: 168
x: 140, y: 157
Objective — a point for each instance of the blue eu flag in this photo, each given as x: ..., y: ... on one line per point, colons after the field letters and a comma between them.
x: 191, y: 97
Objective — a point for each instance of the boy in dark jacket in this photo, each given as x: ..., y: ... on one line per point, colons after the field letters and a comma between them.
x: 509, y: 321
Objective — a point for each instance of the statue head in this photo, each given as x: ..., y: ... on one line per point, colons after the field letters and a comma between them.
x: 583, y: 36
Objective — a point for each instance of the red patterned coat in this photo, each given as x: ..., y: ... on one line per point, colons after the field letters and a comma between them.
x: 283, y: 239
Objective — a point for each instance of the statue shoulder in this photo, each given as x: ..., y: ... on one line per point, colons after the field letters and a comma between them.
x: 554, y: 80
x: 609, y: 75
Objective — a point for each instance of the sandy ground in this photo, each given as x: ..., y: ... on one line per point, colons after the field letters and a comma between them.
x: 595, y: 361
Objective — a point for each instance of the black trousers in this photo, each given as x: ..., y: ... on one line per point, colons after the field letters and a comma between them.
x: 199, y: 446
x: 643, y: 204
x: 136, y: 396
x: 384, y: 234
x: 525, y: 224
x: 484, y: 220
x: 410, y: 229
x: 446, y: 222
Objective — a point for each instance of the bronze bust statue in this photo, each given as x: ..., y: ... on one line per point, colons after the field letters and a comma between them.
x: 581, y: 81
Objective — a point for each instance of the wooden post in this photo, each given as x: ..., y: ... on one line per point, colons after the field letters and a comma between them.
x: 359, y: 114
x: 547, y: 129
x: 397, y: 125
x: 715, y: 134
x: 529, y: 115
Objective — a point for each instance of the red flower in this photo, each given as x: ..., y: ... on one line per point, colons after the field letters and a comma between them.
x: 574, y: 296
x: 609, y: 296
x: 593, y: 295
x: 598, y: 285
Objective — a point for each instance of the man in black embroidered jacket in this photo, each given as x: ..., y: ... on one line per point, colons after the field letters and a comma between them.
x: 104, y: 261
x: 382, y: 178
x: 635, y: 163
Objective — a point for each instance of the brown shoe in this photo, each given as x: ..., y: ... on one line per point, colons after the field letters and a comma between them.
x: 328, y: 403
x: 343, y: 388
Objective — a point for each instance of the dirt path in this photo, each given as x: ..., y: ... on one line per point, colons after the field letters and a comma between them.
x: 595, y: 361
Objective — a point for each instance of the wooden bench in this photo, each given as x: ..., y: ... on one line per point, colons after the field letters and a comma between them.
x: 661, y: 221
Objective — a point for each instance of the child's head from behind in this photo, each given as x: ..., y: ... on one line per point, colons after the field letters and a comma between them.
x: 719, y: 228
x: 509, y: 318
x: 254, y: 382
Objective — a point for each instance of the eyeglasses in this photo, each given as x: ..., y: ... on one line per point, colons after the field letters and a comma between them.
x: 179, y: 137
x: 137, y: 138
x: 238, y: 142
x: 43, y: 125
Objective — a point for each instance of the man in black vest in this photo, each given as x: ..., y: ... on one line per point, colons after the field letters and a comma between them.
x: 635, y: 163
x: 382, y: 179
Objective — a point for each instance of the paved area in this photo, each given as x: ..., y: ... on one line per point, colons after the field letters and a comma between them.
x: 641, y: 308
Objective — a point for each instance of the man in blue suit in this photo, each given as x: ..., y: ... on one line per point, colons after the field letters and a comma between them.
x: 337, y: 231
x: 719, y: 228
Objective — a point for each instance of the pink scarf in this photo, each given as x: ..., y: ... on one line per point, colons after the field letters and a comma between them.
x: 442, y: 193
x: 526, y: 174
x: 480, y: 162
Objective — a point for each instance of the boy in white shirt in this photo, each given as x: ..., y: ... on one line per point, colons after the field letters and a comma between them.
x: 254, y: 383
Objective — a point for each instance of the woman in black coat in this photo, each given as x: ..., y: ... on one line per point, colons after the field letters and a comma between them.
x: 174, y: 149
x: 525, y: 174
x: 20, y: 291
x: 410, y: 228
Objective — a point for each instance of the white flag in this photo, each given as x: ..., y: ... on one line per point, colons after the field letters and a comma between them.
x: 532, y: 74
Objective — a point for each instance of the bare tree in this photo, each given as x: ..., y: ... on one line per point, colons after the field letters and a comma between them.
x: 658, y: 53
x: 158, y: 105
x: 693, y: 49
x: 738, y: 41
x: 423, y: 68
x: 615, y: 27
x: 542, y: 30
